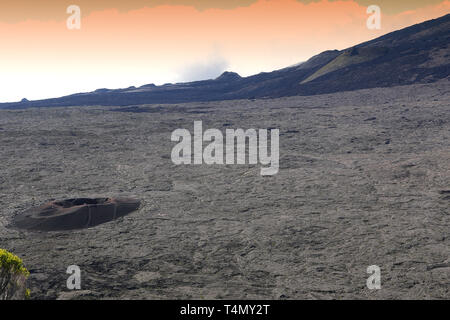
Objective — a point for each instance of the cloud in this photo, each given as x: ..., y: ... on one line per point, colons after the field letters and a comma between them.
x: 213, y: 67
x: 55, y: 10
x: 391, y: 6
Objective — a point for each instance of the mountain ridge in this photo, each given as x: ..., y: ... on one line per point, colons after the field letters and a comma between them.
x: 416, y: 54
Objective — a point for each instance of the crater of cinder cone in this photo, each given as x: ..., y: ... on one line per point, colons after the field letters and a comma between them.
x: 77, y: 213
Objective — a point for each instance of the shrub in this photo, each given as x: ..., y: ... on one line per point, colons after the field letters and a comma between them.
x: 13, y: 276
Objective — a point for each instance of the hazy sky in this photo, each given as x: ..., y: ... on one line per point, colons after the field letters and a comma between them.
x: 136, y: 42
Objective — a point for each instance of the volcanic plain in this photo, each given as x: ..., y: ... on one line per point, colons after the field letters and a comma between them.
x: 364, y: 180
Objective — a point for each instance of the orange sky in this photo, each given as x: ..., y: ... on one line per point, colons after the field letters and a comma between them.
x: 114, y: 48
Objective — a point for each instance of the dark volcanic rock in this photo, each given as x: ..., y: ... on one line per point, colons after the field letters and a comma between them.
x: 75, y: 213
x: 224, y: 231
x: 228, y: 76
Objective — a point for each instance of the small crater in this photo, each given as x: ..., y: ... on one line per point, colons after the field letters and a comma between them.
x: 81, y: 201
x: 76, y: 213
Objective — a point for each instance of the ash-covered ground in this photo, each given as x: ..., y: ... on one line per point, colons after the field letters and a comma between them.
x: 364, y: 180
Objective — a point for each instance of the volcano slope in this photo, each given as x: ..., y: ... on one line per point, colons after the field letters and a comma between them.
x: 414, y: 55
x: 364, y: 180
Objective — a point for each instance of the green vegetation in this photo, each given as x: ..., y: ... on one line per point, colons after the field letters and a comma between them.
x: 13, y: 276
x: 348, y: 58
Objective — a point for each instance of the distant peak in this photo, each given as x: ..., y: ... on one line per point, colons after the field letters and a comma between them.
x: 227, y: 75
x: 150, y: 85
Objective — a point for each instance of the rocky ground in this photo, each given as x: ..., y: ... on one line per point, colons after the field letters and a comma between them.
x: 364, y: 180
